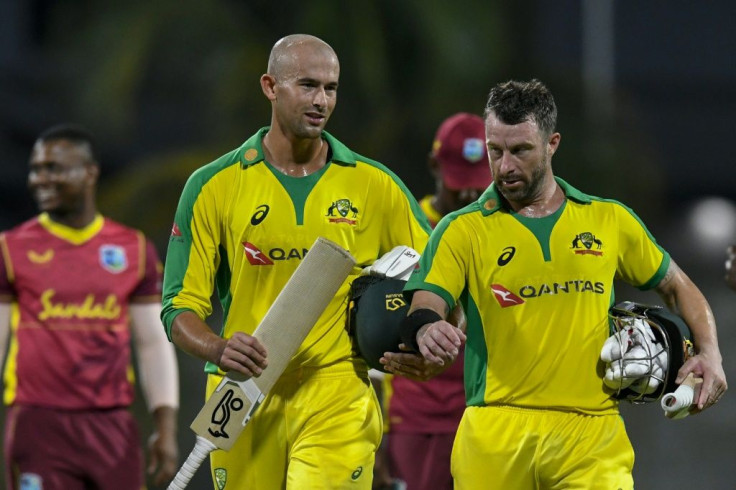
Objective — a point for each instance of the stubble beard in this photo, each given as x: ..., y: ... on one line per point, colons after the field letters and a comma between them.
x: 532, y: 189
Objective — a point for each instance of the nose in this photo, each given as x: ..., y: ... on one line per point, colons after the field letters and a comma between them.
x: 505, y: 163
x: 320, y: 98
x: 37, y: 177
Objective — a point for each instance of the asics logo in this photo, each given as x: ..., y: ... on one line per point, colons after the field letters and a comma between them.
x: 506, y: 256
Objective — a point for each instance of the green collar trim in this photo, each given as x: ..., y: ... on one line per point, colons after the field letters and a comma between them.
x: 491, y: 201
x: 252, y: 150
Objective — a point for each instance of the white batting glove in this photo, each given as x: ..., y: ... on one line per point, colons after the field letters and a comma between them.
x: 398, y: 263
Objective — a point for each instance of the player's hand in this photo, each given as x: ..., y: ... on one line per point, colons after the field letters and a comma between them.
x: 708, y: 366
x: 411, y: 364
x: 163, y: 455
x: 440, y: 342
x: 244, y: 354
x: 731, y: 267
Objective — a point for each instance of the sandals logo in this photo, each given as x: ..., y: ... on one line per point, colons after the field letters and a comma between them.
x: 109, y: 309
x: 343, y: 207
x: 583, y: 244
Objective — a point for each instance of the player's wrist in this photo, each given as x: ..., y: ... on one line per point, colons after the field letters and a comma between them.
x: 412, y: 324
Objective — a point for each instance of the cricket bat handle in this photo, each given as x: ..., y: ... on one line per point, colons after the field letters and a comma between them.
x: 202, y: 449
x: 681, y: 399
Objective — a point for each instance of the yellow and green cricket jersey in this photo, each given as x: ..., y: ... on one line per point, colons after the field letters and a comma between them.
x: 243, y: 227
x: 536, y: 292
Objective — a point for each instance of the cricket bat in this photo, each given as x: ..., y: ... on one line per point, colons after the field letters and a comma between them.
x: 283, y: 329
x: 676, y: 405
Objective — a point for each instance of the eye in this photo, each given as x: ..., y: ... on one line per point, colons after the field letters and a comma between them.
x: 494, y: 153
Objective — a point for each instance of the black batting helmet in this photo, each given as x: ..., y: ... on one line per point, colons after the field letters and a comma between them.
x: 375, y: 311
x: 671, y: 335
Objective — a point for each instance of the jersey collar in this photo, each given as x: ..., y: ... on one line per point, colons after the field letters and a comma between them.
x: 252, y: 150
x: 491, y: 201
x: 72, y: 235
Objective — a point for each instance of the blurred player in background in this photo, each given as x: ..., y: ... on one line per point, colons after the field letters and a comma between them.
x: 533, y: 263
x: 423, y: 415
x: 731, y: 267
x: 244, y: 223
x: 77, y: 289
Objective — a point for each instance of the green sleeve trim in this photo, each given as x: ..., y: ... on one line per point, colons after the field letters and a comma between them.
x: 659, y: 275
x: 432, y: 288
x: 476, y: 354
x: 167, y: 318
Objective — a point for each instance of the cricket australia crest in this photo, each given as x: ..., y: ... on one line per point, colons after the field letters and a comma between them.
x: 339, y: 210
x: 587, y: 244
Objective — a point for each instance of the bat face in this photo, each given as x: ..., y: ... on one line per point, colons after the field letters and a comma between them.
x: 226, y: 412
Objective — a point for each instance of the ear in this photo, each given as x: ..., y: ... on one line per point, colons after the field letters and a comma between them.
x: 434, y: 166
x: 268, y: 86
x: 553, y: 143
x: 93, y: 173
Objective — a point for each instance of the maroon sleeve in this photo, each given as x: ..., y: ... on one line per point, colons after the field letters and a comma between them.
x: 7, y: 291
x: 149, y: 289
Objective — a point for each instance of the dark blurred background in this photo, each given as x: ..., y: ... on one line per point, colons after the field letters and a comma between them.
x: 646, y: 93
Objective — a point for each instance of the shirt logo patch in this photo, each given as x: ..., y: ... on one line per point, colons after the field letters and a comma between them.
x: 506, y: 256
x: 30, y: 481
x: 220, y: 478
x: 473, y: 149
x: 175, y: 231
x: 583, y: 244
x: 113, y: 258
x: 505, y: 297
x: 260, y: 214
x: 343, y: 207
x: 394, y: 301
x: 250, y: 154
x: 255, y: 256
x: 41, y: 258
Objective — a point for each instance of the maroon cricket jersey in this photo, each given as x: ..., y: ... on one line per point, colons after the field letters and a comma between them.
x: 70, y: 291
x: 428, y: 407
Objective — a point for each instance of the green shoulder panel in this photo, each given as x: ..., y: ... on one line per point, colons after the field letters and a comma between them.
x: 177, y: 254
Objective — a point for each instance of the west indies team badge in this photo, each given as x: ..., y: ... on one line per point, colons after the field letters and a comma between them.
x: 113, y: 258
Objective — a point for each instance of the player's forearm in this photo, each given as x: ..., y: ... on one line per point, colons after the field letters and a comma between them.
x: 683, y: 297
x: 164, y: 420
x: 192, y: 335
x: 430, y: 301
x: 4, y: 330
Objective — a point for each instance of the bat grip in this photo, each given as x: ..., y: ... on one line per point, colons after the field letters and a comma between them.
x: 677, y: 400
x: 202, y: 449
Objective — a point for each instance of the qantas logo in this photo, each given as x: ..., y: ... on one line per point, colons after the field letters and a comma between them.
x: 175, y: 231
x: 255, y: 256
x: 505, y: 297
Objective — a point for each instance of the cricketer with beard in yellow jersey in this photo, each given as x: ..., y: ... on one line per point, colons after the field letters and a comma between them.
x: 244, y: 226
x: 536, y: 292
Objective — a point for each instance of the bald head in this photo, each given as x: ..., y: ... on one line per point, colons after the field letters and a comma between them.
x: 287, y: 51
